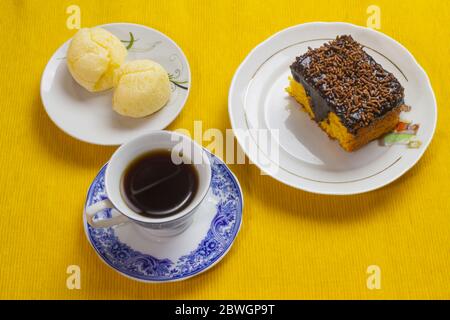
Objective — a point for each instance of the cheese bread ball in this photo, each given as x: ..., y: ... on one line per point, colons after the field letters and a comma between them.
x: 92, y: 57
x: 142, y: 87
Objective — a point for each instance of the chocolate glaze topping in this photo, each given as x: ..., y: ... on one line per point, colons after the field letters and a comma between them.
x: 341, y: 77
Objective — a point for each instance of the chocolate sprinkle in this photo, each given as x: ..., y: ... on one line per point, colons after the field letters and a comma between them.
x: 354, y: 86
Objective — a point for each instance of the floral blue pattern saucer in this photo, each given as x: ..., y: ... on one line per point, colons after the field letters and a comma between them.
x: 135, y: 252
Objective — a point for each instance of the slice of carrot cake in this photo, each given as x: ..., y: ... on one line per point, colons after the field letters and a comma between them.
x: 350, y: 95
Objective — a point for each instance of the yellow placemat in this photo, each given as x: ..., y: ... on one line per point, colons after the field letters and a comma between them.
x: 292, y: 244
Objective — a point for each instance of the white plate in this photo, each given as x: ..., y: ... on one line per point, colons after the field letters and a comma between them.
x: 296, y: 151
x: 89, y: 116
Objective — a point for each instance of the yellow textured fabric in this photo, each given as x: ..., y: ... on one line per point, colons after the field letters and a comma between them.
x: 292, y: 244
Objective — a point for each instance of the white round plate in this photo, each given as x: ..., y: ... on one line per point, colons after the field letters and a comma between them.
x: 135, y: 253
x: 281, y: 139
x: 89, y: 116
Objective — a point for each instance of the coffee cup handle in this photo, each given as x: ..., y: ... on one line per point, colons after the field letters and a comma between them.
x: 116, y: 216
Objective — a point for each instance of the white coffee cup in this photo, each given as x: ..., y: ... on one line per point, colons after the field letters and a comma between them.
x: 183, y: 149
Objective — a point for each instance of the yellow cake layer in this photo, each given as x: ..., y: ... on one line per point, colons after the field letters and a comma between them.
x: 333, y: 126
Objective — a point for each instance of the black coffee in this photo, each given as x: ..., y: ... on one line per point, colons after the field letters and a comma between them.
x: 155, y: 187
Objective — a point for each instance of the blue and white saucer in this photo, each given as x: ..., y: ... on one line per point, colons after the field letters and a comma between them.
x: 134, y: 251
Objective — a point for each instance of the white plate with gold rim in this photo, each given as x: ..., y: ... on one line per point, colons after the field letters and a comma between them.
x: 89, y: 116
x: 281, y: 139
